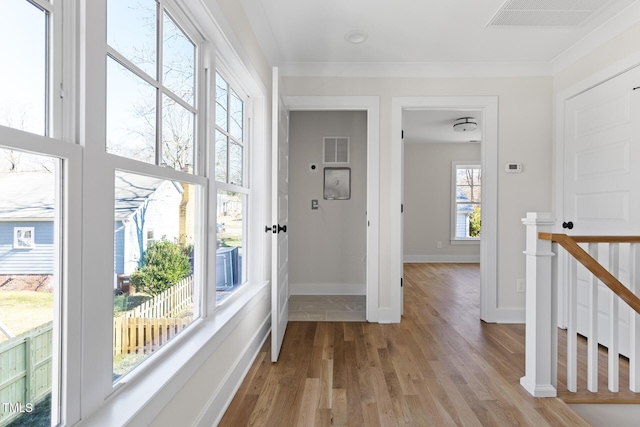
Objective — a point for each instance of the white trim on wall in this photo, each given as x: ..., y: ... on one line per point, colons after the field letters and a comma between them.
x: 448, y: 259
x: 488, y: 105
x: 370, y: 104
x: 328, y: 288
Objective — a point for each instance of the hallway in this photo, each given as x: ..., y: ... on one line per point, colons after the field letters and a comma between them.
x: 440, y: 366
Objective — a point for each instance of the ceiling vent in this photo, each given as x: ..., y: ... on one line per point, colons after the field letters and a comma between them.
x: 547, y: 13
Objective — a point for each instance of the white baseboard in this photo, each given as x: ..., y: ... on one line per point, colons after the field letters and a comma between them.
x: 458, y: 259
x: 510, y: 315
x: 220, y: 401
x: 327, y: 289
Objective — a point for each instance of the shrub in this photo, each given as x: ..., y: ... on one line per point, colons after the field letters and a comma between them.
x: 164, y: 264
x: 474, y: 222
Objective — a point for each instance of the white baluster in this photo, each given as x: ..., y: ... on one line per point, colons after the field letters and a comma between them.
x: 592, y: 340
x: 572, y: 327
x: 540, y: 329
x: 634, y: 321
x: 614, y: 348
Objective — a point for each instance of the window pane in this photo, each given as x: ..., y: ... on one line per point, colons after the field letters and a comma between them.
x: 235, y: 116
x: 222, y: 90
x: 153, y: 278
x: 177, y: 135
x: 131, y: 114
x: 221, y: 157
x: 235, y: 164
x: 23, y: 74
x: 229, y: 253
x: 178, y: 61
x: 28, y: 248
x: 138, y: 42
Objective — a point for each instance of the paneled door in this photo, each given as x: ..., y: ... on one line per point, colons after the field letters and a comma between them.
x: 602, y: 183
x: 280, y: 219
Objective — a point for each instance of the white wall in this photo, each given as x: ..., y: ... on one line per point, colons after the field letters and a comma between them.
x: 427, y: 202
x: 525, y: 134
x: 327, y: 246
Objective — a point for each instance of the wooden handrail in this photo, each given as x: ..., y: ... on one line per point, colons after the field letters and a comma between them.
x: 570, y: 244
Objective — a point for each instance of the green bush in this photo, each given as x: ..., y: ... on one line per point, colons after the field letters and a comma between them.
x: 474, y: 222
x: 164, y: 264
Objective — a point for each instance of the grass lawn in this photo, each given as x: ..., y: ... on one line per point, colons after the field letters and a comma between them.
x: 24, y: 310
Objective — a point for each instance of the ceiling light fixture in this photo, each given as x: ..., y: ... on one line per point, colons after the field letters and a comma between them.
x: 465, y: 124
x: 356, y: 37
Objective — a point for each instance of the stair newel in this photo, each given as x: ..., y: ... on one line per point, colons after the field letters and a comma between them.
x: 541, y: 314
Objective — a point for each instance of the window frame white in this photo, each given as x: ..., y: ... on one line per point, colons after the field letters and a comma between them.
x: 455, y: 166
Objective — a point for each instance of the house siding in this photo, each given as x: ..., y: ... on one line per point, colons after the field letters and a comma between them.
x: 118, y: 253
x: 38, y: 260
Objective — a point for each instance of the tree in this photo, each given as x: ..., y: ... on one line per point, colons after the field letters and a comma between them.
x: 165, y: 263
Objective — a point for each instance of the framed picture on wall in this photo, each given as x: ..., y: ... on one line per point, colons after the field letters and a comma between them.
x: 337, y: 183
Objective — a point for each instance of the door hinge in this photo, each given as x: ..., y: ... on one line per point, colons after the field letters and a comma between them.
x: 401, y: 207
x: 401, y: 282
x: 402, y: 136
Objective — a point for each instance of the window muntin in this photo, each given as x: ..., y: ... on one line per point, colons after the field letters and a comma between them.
x: 467, y: 201
x: 24, y: 85
x: 30, y: 210
x: 229, y: 136
x: 170, y: 94
x: 154, y: 232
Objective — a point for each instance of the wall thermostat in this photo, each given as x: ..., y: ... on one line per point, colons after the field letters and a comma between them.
x: 513, y: 167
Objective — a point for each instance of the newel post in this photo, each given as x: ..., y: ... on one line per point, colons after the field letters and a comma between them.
x: 541, y: 342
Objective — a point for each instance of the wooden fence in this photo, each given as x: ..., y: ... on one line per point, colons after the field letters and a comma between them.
x: 151, y: 324
x: 169, y: 303
x: 26, y: 365
x: 144, y: 335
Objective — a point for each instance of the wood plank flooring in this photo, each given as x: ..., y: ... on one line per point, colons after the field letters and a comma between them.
x: 440, y: 366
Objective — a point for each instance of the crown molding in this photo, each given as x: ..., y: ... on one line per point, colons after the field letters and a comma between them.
x: 621, y: 22
x: 416, y: 69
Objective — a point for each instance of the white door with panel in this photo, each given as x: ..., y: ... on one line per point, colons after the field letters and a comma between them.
x: 602, y: 183
x: 280, y: 218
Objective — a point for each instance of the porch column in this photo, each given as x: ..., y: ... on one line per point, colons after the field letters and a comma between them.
x: 541, y: 342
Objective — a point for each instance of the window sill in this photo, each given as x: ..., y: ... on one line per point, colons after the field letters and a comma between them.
x: 144, y: 393
x: 465, y: 242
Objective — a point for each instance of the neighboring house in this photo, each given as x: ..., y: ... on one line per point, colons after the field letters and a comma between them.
x: 146, y: 209
x: 26, y: 223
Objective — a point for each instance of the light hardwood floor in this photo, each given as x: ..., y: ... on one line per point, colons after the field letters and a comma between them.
x: 440, y: 366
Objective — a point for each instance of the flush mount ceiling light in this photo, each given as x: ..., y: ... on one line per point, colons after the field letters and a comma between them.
x: 356, y: 37
x: 465, y: 124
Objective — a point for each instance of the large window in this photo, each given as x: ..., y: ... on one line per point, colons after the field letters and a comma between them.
x: 151, y: 118
x: 467, y: 202
x: 232, y: 194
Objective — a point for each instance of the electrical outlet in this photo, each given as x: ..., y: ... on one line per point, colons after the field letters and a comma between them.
x: 520, y: 285
x: 439, y: 244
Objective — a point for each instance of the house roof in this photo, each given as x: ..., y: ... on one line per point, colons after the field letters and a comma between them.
x: 27, y: 195
x: 30, y: 195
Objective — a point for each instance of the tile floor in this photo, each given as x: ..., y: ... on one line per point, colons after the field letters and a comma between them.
x: 327, y: 308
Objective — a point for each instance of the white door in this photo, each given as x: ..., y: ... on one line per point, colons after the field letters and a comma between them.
x: 280, y: 219
x: 602, y: 181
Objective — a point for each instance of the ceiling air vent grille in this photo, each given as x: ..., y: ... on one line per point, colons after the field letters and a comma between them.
x: 547, y: 13
x: 336, y: 150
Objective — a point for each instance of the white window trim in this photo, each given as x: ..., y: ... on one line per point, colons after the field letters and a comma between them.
x: 455, y: 165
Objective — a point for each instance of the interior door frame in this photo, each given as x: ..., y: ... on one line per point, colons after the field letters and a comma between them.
x: 562, y: 97
x: 371, y: 105
x: 488, y: 106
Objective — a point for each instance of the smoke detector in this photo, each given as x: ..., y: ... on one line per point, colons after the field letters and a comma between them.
x: 465, y: 124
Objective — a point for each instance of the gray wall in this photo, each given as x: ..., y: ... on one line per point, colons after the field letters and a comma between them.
x: 427, y: 202
x: 327, y: 246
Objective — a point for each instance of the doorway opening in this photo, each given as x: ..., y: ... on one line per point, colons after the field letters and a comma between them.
x: 363, y: 186
x: 485, y: 109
